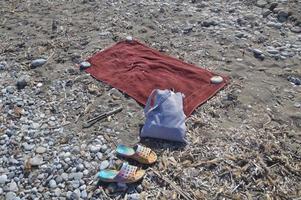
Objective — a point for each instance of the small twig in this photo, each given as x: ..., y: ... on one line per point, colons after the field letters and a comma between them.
x: 4, y: 21
x: 263, y: 165
x: 49, y: 58
x: 105, y: 194
x: 92, y: 121
x: 268, y: 121
x: 214, y: 161
x: 234, y: 189
x: 288, y: 167
x: 77, y: 117
x: 181, y: 192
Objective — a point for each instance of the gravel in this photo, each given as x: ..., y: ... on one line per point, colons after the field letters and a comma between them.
x: 10, y: 196
x: 261, y: 3
x: 104, y: 164
x: 76, y: 176
x: 28, y: 147
x: 57, y: 192
x: 52, y: 184
x: 41, y: 150
x: 273, y: 51
x: 275, y: 25
x: 296, y: 29
x: 75, y: 195
x: 10, y: 89
x: 84, y: 194
x: 95, y: 149
x: 133, y: 196
x: 36, y: 161
x: 75, y: 184
x: 13, y: 187
x: 3, y: 179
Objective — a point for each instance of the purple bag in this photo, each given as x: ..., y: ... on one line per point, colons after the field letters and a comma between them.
x: 165, y: 117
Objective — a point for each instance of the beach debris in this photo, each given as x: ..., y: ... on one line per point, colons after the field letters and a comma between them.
x: 93, y: 89
x: 174, y: 186
x: 92, y: 121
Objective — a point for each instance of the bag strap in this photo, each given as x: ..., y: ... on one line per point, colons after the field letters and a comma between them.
x: 148, y: 108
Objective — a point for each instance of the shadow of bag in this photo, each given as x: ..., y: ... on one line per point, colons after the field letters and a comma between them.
x: 165, y: 117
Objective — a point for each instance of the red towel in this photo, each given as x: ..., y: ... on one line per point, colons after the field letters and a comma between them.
x: 137, y: 69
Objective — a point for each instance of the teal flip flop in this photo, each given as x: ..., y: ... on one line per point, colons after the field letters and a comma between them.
x: 126, y: 174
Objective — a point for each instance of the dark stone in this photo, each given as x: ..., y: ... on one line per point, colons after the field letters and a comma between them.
x: 37, y: 63
x: 273, y: 6
x: 2, y: 66
x: 21, y: 83
x: 294, y: 80
x: 282, y: 15
x: 209, y: 23
x: 266, y: 13
x: 296, y: 29
x: 258, y: 54
x: 187, y: 30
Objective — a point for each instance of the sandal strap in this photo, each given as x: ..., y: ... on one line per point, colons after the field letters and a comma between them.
x: 127, y: 171
x: 142, y: 151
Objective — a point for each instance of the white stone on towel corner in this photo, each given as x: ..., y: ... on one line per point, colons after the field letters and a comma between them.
x: 85, y: 65
x: 129, y: 38
x: 216, y: 79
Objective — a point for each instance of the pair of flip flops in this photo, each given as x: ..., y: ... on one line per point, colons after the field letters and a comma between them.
x: 128, y: 173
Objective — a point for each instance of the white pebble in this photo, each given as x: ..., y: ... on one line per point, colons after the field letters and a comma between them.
x: 52, y: 184
x: 3, y: 179
x: 84, y: 65
x: 216, y: 79
x: 129, y: 38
